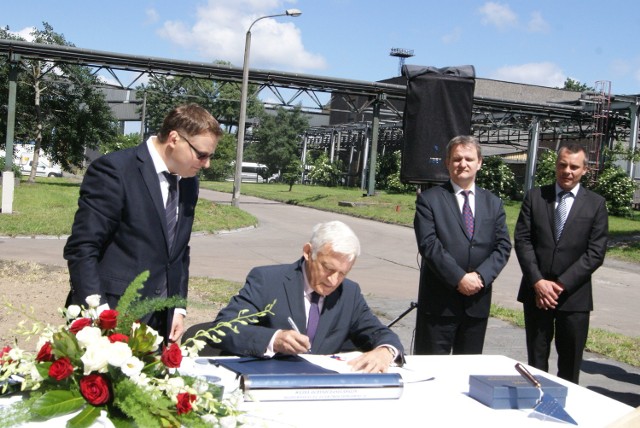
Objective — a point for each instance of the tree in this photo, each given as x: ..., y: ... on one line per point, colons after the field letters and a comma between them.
x: 276, y: 138
x: 66, y: 112
x: 220, y: 166
x: 120, y: 142
x: 221, y: 99
x: 574, y: 85
x: 546, y: 168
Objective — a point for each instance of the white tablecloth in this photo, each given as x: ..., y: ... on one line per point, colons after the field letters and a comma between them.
x: 443, y: 401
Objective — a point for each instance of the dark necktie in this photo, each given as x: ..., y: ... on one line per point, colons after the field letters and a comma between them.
x: 467, y: 215
x: 561, y: 213
x: 314, y: 316
x: 171, y: 208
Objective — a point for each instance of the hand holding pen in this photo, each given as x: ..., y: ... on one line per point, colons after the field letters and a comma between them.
x: 291, y: 341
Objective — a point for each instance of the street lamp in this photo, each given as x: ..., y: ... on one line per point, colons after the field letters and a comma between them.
x: 235, y: 199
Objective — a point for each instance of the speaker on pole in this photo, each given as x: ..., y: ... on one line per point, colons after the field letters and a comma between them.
x: 438, y: 107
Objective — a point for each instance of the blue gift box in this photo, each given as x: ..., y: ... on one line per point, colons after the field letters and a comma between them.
x: 512, y: 392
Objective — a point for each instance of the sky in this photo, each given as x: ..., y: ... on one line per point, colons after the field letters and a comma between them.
x: 534, y: 42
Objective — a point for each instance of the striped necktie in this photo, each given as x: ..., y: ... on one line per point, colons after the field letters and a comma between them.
x: 171, y: 208
x: 561, y: 213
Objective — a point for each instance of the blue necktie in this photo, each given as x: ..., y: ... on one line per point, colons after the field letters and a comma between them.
x: 467, y: 215
x: 171, y: 208
x: 314, y: 316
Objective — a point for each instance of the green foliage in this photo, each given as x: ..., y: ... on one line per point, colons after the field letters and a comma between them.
x: 546, y: 168
x: 575, y: 85
x: 132, y: 309
x: 326, y: 173
x: 220, y: 166
x: 120, y: 142
x: 276, y: 139
x: 617, y: 188
x: 15, y: 168
x: 57, y: 402
x: 388, y: 173
x: 58, y: 105
x: 221, y: 99
x: 292, y: 173
x: 497, y: 177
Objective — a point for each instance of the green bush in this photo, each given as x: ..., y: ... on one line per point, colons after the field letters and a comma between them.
x: 498, y: 178
x: 15, y: 168
x: 546, y: 168
x: 617, y: 188
x: 388, y: 174
x: 326, y: 173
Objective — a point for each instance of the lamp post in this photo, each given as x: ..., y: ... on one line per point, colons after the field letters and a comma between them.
x: 235, y: 199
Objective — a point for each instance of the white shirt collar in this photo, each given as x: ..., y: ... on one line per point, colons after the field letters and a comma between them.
x: 574, y: 191
x: 158, y: 162
x: 457, y: 189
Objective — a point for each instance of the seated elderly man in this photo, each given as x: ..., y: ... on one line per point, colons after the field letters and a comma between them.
x: 317, y: 308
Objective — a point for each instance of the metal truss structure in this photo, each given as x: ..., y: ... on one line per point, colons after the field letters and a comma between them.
x: 372, y: 111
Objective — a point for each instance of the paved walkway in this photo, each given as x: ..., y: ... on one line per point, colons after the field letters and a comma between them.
x: 387, y: 270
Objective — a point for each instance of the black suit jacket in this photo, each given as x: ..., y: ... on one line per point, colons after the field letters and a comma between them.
x: 345, y: 321
x: 120, y: 230
x: 448, y: 253
x: 571, y: 260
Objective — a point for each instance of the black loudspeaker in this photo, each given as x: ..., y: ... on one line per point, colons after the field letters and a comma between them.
x: 438, y: 107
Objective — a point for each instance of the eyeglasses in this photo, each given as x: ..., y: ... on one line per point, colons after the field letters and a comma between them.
x: 199, y: 155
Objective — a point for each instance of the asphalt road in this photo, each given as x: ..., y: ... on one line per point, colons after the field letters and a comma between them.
x: 387, y: 271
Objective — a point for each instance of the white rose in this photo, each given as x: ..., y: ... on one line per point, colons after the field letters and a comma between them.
x: 132, y: 368
x: 88, y: 336
x: 73, y: 311
x: 96, y: 356
x: 93, y: 301
x: 118, y: 354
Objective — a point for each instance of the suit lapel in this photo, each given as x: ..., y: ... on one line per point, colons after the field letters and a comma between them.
x: 294, y: 290
x: 576, y: 207
x: 452, y: 202
x: 549, y: 195
x: 152, y: 183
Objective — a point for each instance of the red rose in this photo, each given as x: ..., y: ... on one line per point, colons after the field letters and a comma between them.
x: 108, y: 319
x: 61, y: 369
x: 95, y: 389
x: 172, y: 356
x: 118, y: 337
x: 184, y: 402
x: 45, y: 353
x: 79, y: 324
x: 4, y: 351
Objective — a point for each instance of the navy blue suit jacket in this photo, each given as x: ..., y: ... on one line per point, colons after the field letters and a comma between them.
x: 448, y: 253
x: 571, y: 260
x: 120, y: 230
x: 345, y: 321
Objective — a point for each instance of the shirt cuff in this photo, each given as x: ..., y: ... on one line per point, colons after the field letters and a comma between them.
x: 181, y: 311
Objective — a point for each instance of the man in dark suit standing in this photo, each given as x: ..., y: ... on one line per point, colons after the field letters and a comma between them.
x: 560, y: 240
x: 135, y: 213
x: 462, y: 236
x: 317, y: 308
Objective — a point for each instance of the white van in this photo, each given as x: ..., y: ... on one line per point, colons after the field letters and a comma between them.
x: 251, y: 172
x: 43, y: 170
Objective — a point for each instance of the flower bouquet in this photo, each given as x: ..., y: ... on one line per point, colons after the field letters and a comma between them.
x: 101, y: 363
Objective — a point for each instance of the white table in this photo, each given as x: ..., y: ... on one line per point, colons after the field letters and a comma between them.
x: 442, y: 402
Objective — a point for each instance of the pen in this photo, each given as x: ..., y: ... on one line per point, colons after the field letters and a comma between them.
x: 293, y: 324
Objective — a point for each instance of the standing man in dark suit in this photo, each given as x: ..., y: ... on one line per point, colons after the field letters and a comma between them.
x: 462, y: 236
x: 121, y: 227
x: 315, y: 283
x: 557, y: 259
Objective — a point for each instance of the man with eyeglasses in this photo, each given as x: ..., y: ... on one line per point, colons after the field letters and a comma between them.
x: 135, y: 213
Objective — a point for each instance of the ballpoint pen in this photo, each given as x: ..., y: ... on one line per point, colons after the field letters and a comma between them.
x: 293, y: 324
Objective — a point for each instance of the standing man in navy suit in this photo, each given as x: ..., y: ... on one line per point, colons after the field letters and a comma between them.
x: 462, y: 237
x: 120, y: 229
x: 560, y: 240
